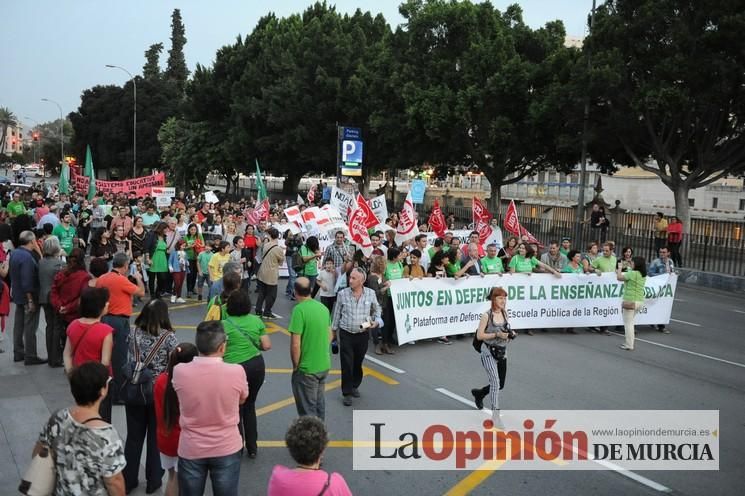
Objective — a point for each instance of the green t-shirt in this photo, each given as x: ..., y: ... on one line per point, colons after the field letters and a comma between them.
x: 204, y: 261
x: 311, y: 266
x: 65, y: 236
x: 605, y: 264
x: 312, y: 320
x: 16, y: 208
x: 190, y: 255
x: 563, y: 251
x: 492, y: 265
x: 244, y: 337
x: 452, y: 268
x: 393, y: 271
x: 568, y: 269
x: 522, y: 264
x: 633, y: 286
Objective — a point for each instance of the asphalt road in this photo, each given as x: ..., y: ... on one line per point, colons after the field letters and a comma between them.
x: 701, y: 365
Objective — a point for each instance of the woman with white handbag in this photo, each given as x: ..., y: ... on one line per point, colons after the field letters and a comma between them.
x: 77, y: 452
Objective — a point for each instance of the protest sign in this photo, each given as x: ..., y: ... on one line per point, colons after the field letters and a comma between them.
x: 140, y: 186
x: 342, y: 200
x: 379, y: 207
x: 464, y: 234
x: 407, y: 227
x: 430, y: 308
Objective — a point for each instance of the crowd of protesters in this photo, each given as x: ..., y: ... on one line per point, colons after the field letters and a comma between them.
x: 88, y: 264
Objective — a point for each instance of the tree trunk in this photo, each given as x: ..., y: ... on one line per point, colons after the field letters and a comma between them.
x: 495, y: 198
x: 291, y: 184
x: 682, y: 208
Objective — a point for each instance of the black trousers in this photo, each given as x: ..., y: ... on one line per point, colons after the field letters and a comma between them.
x: 266, y: 298
x: 502, y: 371
x: 329, y: 301
x: 191, y: 277
x: 141, y: 427
x: 675, y: 253
x: 389, y: 330
x: 352, y: 350
x: 55, y: 334
x: 255, y: 371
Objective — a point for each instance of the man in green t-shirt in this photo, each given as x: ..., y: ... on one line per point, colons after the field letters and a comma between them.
x: 15, y: 207
x: 65, y: 232
x: 310, y: 327
x: 491, y: 263
x: 605, y: 263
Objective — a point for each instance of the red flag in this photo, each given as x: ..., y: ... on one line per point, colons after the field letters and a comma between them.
x: 511, y: 222
x: 358, y: 230
x: 312, y: 194
x: 512, y: 225
x: 370, y: 219
x: 481, y: 218
x: 259, y: 212
x: 437, y: 221
x: 407, y: 221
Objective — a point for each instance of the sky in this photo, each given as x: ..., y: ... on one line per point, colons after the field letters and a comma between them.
x: 55, y: 49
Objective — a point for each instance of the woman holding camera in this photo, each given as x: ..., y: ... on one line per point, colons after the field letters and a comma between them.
x: 494, y: 333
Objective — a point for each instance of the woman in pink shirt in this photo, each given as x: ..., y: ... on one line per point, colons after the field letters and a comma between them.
x: 306, y: 439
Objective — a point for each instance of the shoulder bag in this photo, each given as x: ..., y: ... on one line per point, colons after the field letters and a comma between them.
x: 137, y: 388
x: 244, y: 334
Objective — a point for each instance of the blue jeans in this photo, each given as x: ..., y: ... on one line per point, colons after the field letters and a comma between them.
x: 309, y: 390
x: 121, y: 348
x: 223, y: 470
x: 291, y: 276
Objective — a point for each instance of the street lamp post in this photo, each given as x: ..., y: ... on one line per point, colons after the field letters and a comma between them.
x: 61, y: 131
x: 134, y: 120
x: 583, y: 160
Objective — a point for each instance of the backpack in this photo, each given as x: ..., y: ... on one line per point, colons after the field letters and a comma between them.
x: 297, y: 262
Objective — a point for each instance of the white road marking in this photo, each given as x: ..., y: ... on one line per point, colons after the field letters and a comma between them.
x: 682, y: 350
x: 385, y: 365
x: 686, y: 322
x: 740, y: 311
x: 611, y: 466
x: 680, y: 300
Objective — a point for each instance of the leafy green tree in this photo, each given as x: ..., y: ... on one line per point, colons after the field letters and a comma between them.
x: 151, y: 69
x: 49, y: 144
x: 475, y: 84
x: 176, y: 70
x: 668, y: 90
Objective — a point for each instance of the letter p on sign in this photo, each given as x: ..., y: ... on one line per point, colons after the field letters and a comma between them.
x: 351, y: 152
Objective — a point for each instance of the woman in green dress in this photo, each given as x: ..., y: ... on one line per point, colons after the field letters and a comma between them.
x: 194, y: 245
x: 159, y: 259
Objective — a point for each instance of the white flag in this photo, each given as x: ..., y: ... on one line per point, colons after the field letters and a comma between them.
x: 300, y: 200
x: 408, y: 226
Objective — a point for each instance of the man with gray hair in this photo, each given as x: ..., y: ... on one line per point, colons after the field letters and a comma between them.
x: 356, y: 312
x: 121, y: 291
x: 217, y: 286
x: 24, y: 272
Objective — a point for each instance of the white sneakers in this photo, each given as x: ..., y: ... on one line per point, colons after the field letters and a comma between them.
x: 177, y: 300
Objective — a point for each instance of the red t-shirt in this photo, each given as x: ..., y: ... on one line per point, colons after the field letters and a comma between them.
x: 87, y: 347
x: 167, y: 441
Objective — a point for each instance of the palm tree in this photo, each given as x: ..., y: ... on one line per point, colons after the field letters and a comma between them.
x: 7, y: 119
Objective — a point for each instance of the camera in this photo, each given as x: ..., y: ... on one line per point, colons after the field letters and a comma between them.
x: 365, y: 325
x: 510, y: 333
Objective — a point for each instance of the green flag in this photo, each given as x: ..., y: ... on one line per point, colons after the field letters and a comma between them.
x: 64, y: 179
x: 89, y: 173
x: 261, y: 193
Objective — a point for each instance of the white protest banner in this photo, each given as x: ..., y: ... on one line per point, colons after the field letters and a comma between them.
x: 379, y: 207
x: 342, y: 200
x: 162, y: 201
x: 169, y: 191
x: 211, y: 197
x: 464, y: 234
x: 430, y: 308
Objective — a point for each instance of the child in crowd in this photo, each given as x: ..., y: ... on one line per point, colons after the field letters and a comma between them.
x: 327, y: 282
x: 138, y: 266
x: 178, y: 265
x: 203, y: 272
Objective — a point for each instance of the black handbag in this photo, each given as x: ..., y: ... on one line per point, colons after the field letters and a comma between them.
x: 137, y: 388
